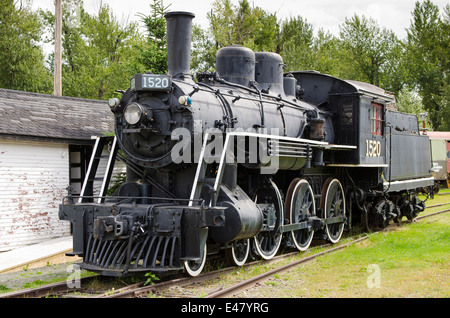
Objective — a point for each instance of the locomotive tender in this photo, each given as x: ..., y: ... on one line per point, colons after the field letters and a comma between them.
x: 245, y: 160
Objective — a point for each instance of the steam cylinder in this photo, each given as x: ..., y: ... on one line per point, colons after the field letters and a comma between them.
x: 243, y: 218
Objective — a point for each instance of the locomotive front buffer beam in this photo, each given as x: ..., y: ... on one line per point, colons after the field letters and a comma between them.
x: 119, y: 239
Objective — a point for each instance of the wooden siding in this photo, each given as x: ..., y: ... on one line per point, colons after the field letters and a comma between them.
x: 33, y: 181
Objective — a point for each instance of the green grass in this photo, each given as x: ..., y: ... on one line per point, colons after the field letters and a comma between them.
x: 413, y: 261
x: 444, y: 190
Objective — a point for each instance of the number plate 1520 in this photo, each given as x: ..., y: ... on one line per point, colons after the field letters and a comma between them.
x: 156, y: 82
x: 151, y: 82
x: 373, y: 148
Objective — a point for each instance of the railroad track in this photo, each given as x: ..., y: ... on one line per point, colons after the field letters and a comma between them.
x: 230, y: 291
x: 254, y: 280
x: 49, y: 290
x: 139, y: 290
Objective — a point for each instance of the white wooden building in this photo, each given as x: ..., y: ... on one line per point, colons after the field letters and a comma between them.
x: 45, y: 146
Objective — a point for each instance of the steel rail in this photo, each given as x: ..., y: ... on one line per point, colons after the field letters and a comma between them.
x: 142, y: 291
x: 47, y: 290
x: 431, y: 214
x: 436, y: 205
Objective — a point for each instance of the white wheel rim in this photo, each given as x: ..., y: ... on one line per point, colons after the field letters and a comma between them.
x: 277, y: 239
x: 262, y: 253
x: 238, y: 262
x: 327, y: 228
x: 294, y: 239
x: 195, y: 272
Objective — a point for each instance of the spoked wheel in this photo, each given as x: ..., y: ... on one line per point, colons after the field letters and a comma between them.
x: 268, y: 241
x: 300, y: 206
x: 238, y: 253
x: 332, y: 203
x: 194, y: 268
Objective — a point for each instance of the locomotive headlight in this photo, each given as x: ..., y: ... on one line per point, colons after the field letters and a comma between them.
x: 133, y: 113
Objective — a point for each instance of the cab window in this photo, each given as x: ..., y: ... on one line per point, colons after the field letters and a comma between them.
x: 377, y: 119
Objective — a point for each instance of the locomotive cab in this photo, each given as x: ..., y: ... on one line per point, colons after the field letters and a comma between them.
x: 358, y: 115
x: 365, y: 116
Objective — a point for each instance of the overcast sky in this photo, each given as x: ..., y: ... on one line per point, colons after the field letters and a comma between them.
x: 327, y: 14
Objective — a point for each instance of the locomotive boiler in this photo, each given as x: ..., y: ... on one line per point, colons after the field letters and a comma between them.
x: 244, y: 160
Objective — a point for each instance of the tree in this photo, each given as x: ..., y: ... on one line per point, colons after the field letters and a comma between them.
x: 243, y: 25
x: 409, y: 102
x: 328, y: 57
x: 296, y: 44
x: 443, y: 97
x: 99, y: 54
x: 427, y: 54
x: 153, y: 54
x: 203, y: 55
x: 266, y: 36
x: 371, y: 50
x: 22, y: 64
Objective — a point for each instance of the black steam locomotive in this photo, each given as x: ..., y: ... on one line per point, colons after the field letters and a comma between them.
x: 245, y: 160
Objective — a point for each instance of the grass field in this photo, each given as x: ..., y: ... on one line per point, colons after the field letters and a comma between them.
x: 412, y: 260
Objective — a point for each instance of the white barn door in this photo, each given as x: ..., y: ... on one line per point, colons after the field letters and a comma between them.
x: 33, y: 181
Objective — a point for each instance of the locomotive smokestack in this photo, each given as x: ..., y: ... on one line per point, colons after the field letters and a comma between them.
x: 179, y: 31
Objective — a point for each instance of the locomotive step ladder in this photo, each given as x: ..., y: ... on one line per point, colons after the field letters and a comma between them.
x: 87, y: 190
